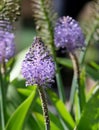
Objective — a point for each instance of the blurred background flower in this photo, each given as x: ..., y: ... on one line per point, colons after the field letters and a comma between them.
x: 7, y: 43
x: 68, y: 34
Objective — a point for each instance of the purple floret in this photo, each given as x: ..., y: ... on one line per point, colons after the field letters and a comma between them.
x: 38, y: 66
x: 68, y: 34
x: 7, y: 45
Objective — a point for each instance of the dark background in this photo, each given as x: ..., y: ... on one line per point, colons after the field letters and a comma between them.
x: 72, y: 7
x: 63, y: 7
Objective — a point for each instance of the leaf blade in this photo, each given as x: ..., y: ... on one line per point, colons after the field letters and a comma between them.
x: 61, y: 109
x: 65, y: 62
x: 20, y: 113
x: 90, y: 116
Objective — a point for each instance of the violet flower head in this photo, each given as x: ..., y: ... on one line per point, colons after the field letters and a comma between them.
x: 38, y: 66
x: 68, y: 34
x: 7, y: 45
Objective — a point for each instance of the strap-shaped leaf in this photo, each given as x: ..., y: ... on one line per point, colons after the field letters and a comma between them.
x: 53, y: 125
x: 55, y: 122
x: 90, y: 116
x: 92, y: 72
x: 65, y: 62
x: 17, y: 119
x: 61, y: 109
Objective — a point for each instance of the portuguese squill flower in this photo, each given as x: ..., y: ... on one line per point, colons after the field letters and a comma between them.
x: 38, y: 66
x: 68, y: 34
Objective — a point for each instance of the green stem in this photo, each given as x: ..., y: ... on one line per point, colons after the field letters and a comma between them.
x: 72, y: 93
x: 77, y: 77
x: 81, y: 60
x: 58, y: 75
x: 3, y: 91
x: 3, y: 108
x: 44, y: 108
x: 60, y: 84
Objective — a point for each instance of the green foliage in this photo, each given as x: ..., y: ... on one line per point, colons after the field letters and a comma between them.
x: 61, y: 109
x: 55, y: 122
x: 92, y: 70
x: 17, y: 66
x: 90, y: 115
x: 37, y: 113
x: 65, y: 62
x: 82, y: 87
x: 21, y: 113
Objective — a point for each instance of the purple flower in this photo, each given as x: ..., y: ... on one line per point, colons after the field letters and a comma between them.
x: 38, y: 66
x: 68, y: 34
x: 7, y: 45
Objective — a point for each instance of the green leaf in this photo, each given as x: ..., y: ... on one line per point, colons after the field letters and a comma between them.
x: 92, y: 90
x: 17, y: 119
x: 25, y: 92
x: 15, y: 73
x: 54, y: 119
x: 37, y: 108
x: 65, y: 62
x: 61, y: 109
x: 92, y: 72
x: 40, y: 118
x: 94, y: 65
x: 90, y: 116
x: 82, y: 87
x: 76, y: 107
x: 55, y: 122
x: 32, y: 123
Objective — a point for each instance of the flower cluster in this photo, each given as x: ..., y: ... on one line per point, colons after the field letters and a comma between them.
x: 38, y: 66
x: 7, y: 45
x: 68, y: 34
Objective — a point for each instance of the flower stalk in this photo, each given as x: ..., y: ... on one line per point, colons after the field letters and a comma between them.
x: 77, y: 76
x: 3, y: 100
x: 44, y: 107
x: 2, y: 106
x: 68, y: 35
x: 38, y: 68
